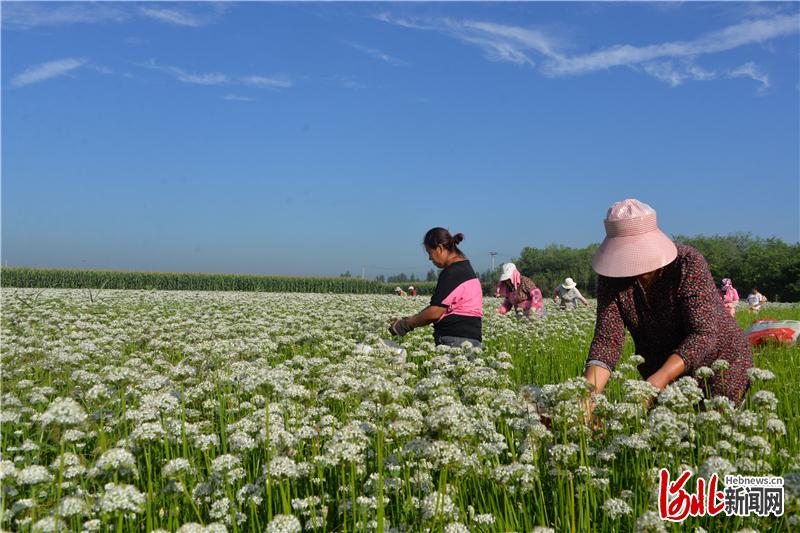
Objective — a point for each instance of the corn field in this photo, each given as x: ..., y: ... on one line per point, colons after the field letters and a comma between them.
x: 32, y: 278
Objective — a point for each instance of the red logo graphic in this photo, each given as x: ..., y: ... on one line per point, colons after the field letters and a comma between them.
x: 675, y: 504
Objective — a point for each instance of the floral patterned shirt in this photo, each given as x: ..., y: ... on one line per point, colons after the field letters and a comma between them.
x: 524, y: 292
x: 680, y: 313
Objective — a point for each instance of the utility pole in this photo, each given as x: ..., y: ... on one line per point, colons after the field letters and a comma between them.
x: 363, y: 272
x: 492, y: 254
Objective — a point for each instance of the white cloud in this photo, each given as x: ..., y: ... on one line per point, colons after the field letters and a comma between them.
x: 101, y: 69
x: 664, y: 71
x: 218, y: 78
x: 378, y: 54
x: 750, y: 70
x: 238, y: 98
x: 700, y: 74
x: 527, y: 46
x: 26, y: 15
x: 276, y: 82
x: 209, y: 78
x: 173, y: 16
x: 348, y: 82
x: 735, y: 36
x: 677, y: 72
x: 499, y: 42
x: 513, y: 39
x: 406, y: 23
x: 46, y: 71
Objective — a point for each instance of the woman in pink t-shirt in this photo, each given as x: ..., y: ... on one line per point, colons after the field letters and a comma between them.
x: 456, y: 308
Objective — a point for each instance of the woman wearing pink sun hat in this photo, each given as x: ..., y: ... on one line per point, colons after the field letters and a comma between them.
x: 663, y: 293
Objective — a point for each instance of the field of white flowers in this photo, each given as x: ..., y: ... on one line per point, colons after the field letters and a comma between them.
x: 200, y: 411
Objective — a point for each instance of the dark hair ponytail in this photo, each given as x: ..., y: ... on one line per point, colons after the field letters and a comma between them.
x: 437, y: 236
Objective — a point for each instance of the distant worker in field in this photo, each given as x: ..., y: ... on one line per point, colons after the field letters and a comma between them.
x: 663, y: 293
x: 755, y: 299
x: 729, y: 295
x: 412, y: 291
x: 456, y: 308
x: 518, y: 292
x: 568, y: 293
x: 400, y: 292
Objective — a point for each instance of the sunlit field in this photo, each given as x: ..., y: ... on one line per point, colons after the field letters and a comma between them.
x: 208, y: 411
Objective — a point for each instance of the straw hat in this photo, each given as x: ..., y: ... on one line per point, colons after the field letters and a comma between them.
x: 411, y: 287
x: 633, y: 245
x: 568, y: 284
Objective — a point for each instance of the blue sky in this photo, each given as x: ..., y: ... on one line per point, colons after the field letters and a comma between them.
x: 312, y: 138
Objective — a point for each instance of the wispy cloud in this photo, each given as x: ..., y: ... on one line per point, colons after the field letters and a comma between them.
x: 238, y: 98
x: 676, y: 73
x: 27, y: 15
x: 735, y: 36
x: 101, y: 69
x: 699, y: 73
x: 218, y: 78
x: 173, y: 16
x: 750, y: 70
x: 378, y: 54
x: 539, y: 49
x: 666, y: 72
x: 414, y: 24
x: 46, y: 71
x: 207, y: 78
x: 348, y: 82
x: 499, y: 42
x: 275, y: 82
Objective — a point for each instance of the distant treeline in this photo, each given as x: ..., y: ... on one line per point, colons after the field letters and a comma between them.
x: 108, y: 279
x: 771, y: 265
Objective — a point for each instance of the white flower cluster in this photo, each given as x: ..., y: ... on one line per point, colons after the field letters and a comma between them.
x: 220, y: 406
x: 65, y: 412
x: 121, y: 498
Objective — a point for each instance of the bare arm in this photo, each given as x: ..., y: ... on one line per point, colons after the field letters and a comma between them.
x: 429, y: 315
x: 597, y: 376
x: 581, y: 298
x: 669, y: 372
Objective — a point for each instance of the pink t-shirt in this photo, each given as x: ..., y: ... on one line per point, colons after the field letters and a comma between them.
x: 459, y: 291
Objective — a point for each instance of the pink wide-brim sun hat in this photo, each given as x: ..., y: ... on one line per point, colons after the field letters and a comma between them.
x: 633, y: 245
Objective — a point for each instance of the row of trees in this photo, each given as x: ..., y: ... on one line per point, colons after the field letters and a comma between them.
x: 549, y: 266
x: 770, y: 264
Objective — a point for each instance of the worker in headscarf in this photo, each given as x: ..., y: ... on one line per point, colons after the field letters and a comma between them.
x: 729, y: 295
x: 518, y: 292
